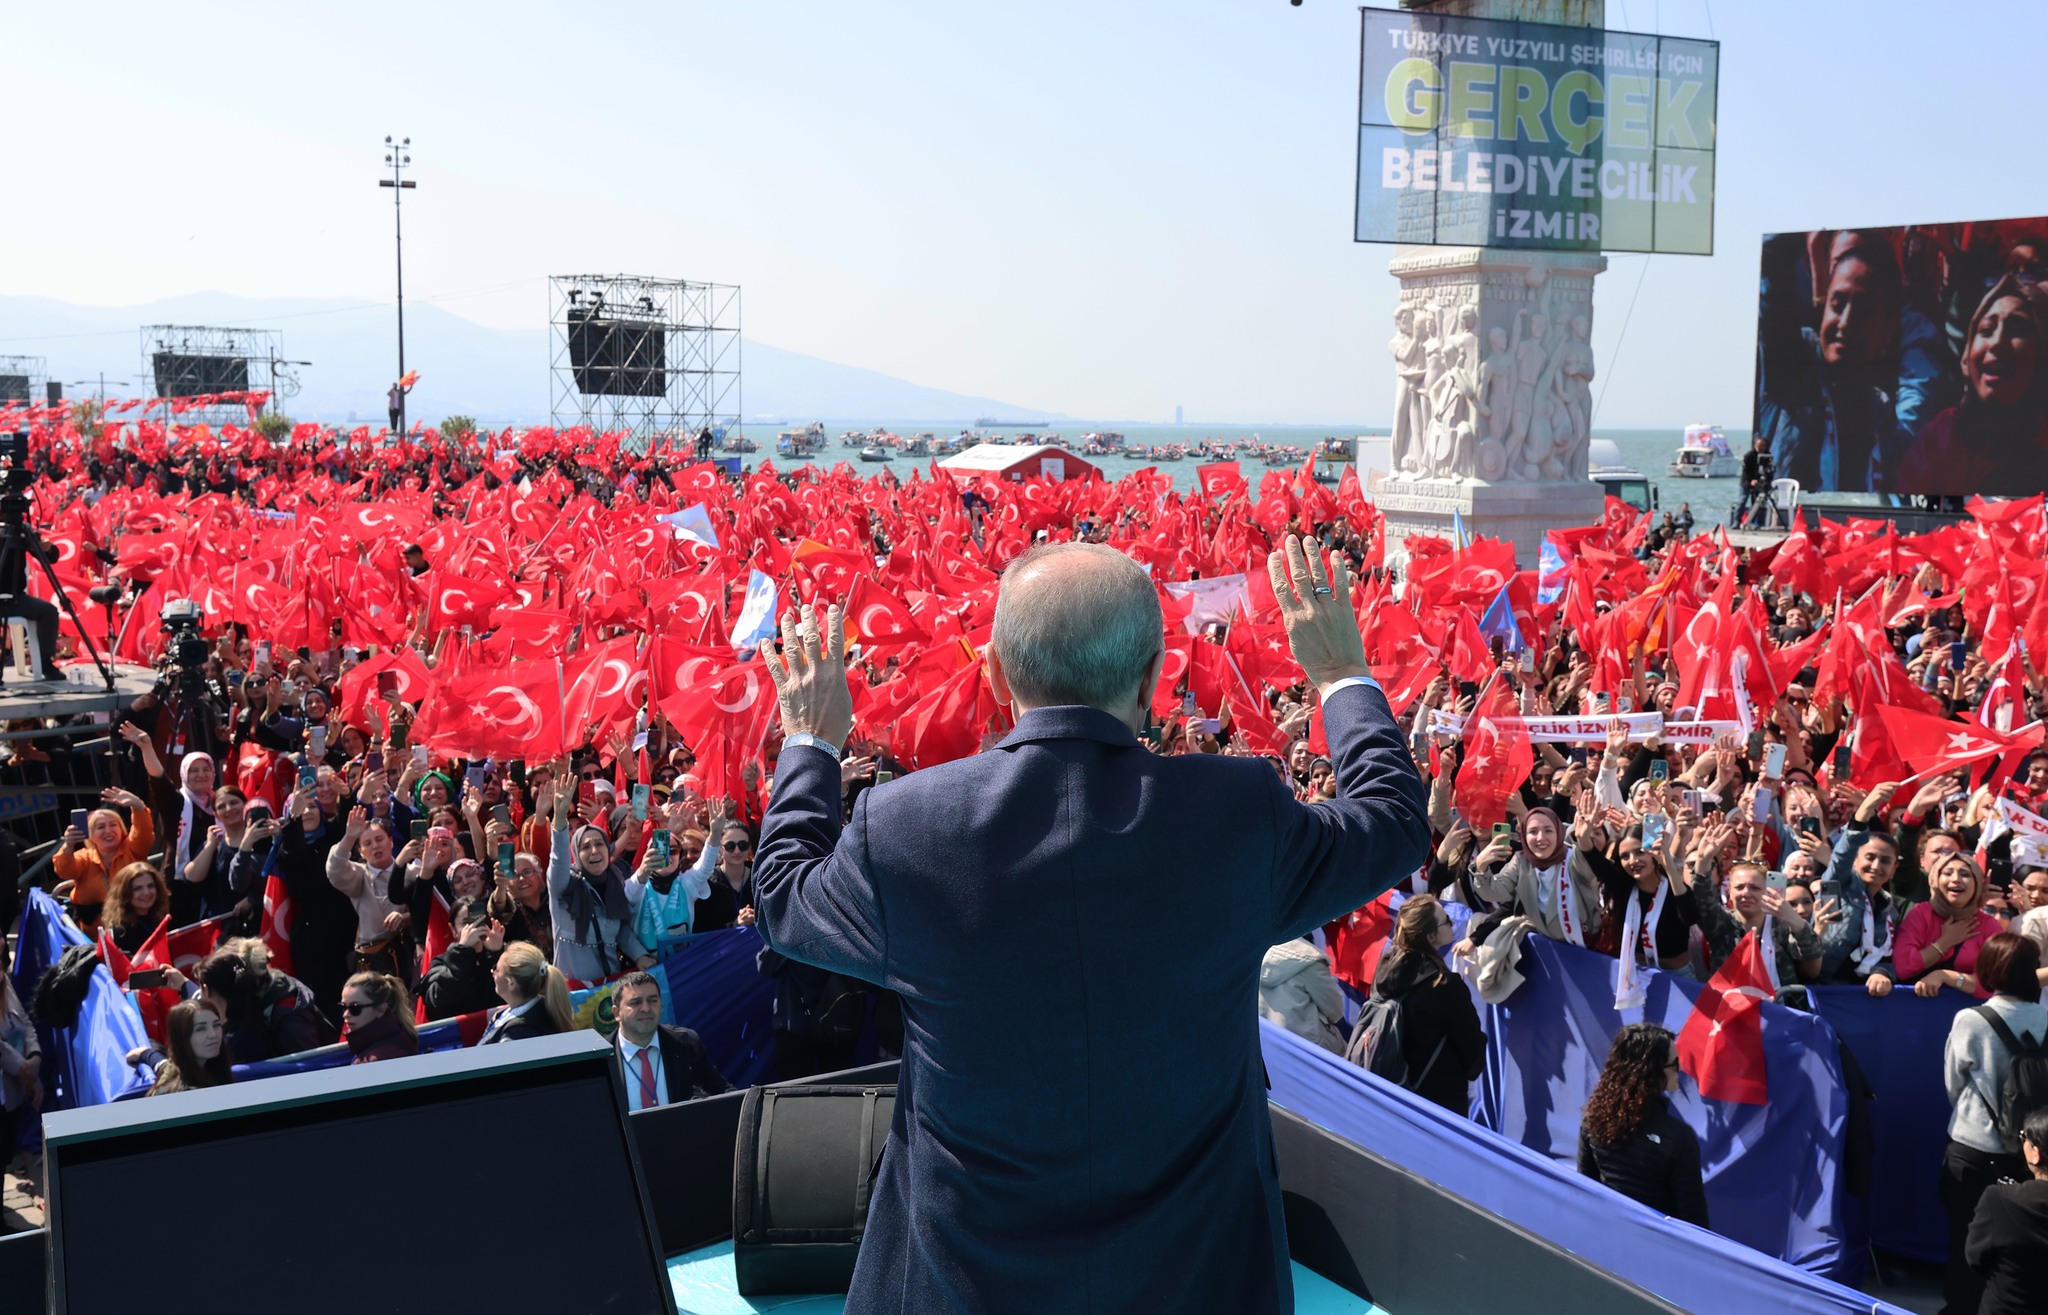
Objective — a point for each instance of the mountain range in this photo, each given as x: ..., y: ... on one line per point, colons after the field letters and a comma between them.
x: 496, y: 376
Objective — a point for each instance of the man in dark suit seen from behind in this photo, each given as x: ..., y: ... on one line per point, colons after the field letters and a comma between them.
x: 1075, y: 926
x: 663, y: 1065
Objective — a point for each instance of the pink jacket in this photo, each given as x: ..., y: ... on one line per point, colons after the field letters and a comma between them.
x: 1922, y: 927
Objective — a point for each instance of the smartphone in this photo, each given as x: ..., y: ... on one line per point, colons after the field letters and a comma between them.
x: 263, y: 651
x: 1660, y: 770
x: 1689, y: 800
x: 1468, y: 689
x: 504, y: 858
x: 387, y: 683
x: 1210, y: 725
x: 234, y: 678
x: 1503, y: 830
x: 1810, y: 825
x: 641, y: 794
x: 317, y: 738
x: 882, y: 777
x: 305, y: 653
x: 1497, y: 646
x: 473, y: 776
x: 1628, y: 703
x: 517, y: 768
x: 1603, y: 702
x: 398, y: 735
x: 309, y: 775
x: 1774, y: 761
x: 1958, y: 653
x: 1842, y: 761
x: 419, y: 754
x: 1653, y: 829
x: 1756, y: 745
x: 1760, y: 806
x: 373, y: 760
x: 146, y: 979
x: 1775, y: 881
x: 1528, y: 661
x: 501, y: 814
x: 78, y: 816
x: 661, y: 844
x: 419, y: 828
x: 1580, y: 755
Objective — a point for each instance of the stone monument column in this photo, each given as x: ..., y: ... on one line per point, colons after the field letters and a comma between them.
x: 1494, y: 365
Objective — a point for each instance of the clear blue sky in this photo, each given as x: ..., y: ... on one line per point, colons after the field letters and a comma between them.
x: 1105, y: 209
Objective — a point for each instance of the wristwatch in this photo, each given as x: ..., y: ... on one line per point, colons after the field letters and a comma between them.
x: 815, y: 741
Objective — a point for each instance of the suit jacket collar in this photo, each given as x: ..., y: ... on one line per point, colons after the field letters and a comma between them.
x: 1069, y: 722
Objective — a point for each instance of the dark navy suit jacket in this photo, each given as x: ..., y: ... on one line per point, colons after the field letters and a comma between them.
x: 1075, y: 926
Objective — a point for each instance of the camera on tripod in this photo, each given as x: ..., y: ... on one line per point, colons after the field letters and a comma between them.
x: 14, y: 457
x: 181, y: 622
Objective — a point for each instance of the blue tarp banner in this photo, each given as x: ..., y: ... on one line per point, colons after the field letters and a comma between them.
x: 1899, y: 1043
x: 1773, y: 1171
x: 85, y: 1064
x: 1687, y: 1266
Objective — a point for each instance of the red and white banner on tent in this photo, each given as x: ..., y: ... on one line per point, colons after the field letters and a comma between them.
x: 1642, y: 727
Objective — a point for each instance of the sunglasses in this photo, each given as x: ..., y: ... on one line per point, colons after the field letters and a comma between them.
x: 353, y: 1010
x: 738, y: 844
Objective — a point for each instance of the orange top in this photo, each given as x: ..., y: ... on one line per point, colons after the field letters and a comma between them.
x: 88, y: 873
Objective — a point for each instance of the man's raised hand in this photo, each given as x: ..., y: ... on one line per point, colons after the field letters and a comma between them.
x: 1315, y: 606
x: 810, y: 675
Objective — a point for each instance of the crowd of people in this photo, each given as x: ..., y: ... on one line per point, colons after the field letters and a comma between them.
x: 483, y: 711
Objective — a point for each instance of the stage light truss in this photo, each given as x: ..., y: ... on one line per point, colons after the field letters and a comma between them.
x: 194, y: 360
x: 659, y: 358
x: 22, y: 379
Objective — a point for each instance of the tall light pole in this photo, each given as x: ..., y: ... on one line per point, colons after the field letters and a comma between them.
x: 398, y: 156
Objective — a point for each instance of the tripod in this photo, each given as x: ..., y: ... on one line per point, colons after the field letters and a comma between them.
x: 18, y: 543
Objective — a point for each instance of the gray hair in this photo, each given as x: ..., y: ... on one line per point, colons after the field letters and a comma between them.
x: 1076, y: 623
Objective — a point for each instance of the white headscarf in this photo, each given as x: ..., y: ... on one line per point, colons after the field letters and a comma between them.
x: 197, y: 806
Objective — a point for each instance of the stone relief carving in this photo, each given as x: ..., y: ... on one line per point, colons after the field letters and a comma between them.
x: 1517, y: 409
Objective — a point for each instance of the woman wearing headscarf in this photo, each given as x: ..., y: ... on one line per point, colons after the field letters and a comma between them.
x: 593, y: 923
x: 1995, y: 439
x: 194, y: 802
x: 85, y: 859
x: 1538, y: 876
x: 1939, y: 941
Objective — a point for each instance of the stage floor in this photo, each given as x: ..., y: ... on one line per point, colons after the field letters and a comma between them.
x: 704, y: 1286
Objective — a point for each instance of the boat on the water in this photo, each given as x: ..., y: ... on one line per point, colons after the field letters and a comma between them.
x: 1705, y: 454
x: 874, y: 452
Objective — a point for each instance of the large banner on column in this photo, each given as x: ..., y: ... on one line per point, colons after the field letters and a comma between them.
x: 1481, y: 132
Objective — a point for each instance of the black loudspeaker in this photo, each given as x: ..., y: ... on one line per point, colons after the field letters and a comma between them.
x: 54, y: 390
x: 802, y: 1170
x: 179, y: 374
x: 616, y: 358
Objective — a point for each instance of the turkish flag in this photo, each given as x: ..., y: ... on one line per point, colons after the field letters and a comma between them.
x: 1498, y: 758
x: 1358, y: 939
x: 879, y: 618
x: 1221, y: 480
x: 946, y: 723
x: 1722, y: 1043
x: 506, y: 712
x: 276, y: 932
x: 2005, y: 700
x: 440, y: 934
x: 1934, y: 745
x: 733, y: 701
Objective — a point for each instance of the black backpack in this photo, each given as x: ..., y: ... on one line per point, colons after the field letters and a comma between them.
x: 2026, y: 1076
x: 1376, y: 1041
